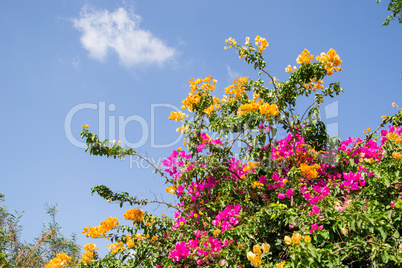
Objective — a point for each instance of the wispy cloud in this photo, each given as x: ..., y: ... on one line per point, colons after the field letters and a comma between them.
x: 232, y: 74
x: 104, y: 31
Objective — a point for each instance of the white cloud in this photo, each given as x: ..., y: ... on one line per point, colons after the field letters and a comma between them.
x: 232, y: 74
x: 119, y: 31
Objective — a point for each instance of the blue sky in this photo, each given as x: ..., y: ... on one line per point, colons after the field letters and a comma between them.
x: 122, y: 66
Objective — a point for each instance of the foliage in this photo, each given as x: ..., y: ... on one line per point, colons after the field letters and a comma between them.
x: 15, y: 253
x: 395, y: 6
x: 302, y: 200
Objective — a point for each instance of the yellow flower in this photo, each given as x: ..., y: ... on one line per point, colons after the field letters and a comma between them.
x: 85, y: 126
x: 134, y: 215
x: 305, y: 57
x: 257, y: 39
x: 394, y: 104
x: 307, y: 238
x: 216, y: 232
x: 130, y: 243
x: 170, y: 189
x: 331, y: 61
x: 257, y: 249
x: 251, y: 166
x: 87, y: 257
x: 116, y: 247
x: 296, y: 238
x: 247, y: 40
x: 90, y: 247
x: 257, y: 185
x: 177, y: 116
x: 288, y: 69
x: 288, y: 240
x: 397, y: 155
x: 281, y: 265
x: 400, y: 247
x: 383, y: 116
x: 254, y: 259
x: 59, y: 261
x: 265, y: 247
x: 102, y: 229
x: 309, y: 171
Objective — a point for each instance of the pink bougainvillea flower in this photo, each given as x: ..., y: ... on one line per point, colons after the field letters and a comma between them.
x: 315, y: 211
x: 281, y: 196
x: 201, y: 147
x: 289, y: 192
x: 263, y: 179
x: 180, y: 252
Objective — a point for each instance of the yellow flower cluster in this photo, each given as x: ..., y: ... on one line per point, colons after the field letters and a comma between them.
x: 269, y: 109
x: 177, y: 116
x: 309, y: 171
x: 254, y: 257
x: 141, y: 237
x: 265, y: 108
x: 101, y: 229
x: 170, y: 189
x: 212, y: 108
x: 397, y: 155
x: 149, y: 222
x: 281, y: 264
x: 199, y: 87
x: 367, y: 130
x: 59, y: 261
x: 295, y: 239
x: 217, y: 232
x: 261, y: 43
x: 89, y: 253
x: 85, y: 126
x: 331, y: 60
x: 183, y: 129
x: 116, y: 247
x: 251, y: 166
x: 315, y: 84
x: 394, y: 137
x: 130, y: 243
x: 237, y: 89
x: 305, y: 57
x: 231, y: 42
x: 257, y: 185
x: 90, y: 247
x: 87, y: 256
x: 134, y: 215
x: 288, y: 69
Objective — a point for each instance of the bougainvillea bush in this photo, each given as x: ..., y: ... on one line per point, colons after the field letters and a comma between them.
x: 300, y: 199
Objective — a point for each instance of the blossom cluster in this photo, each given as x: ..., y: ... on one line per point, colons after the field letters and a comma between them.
x: 60, y: 261
x: 134, y: 215
x: 102, y: 229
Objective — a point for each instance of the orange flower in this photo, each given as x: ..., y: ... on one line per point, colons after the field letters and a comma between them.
x: 305, y: 57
